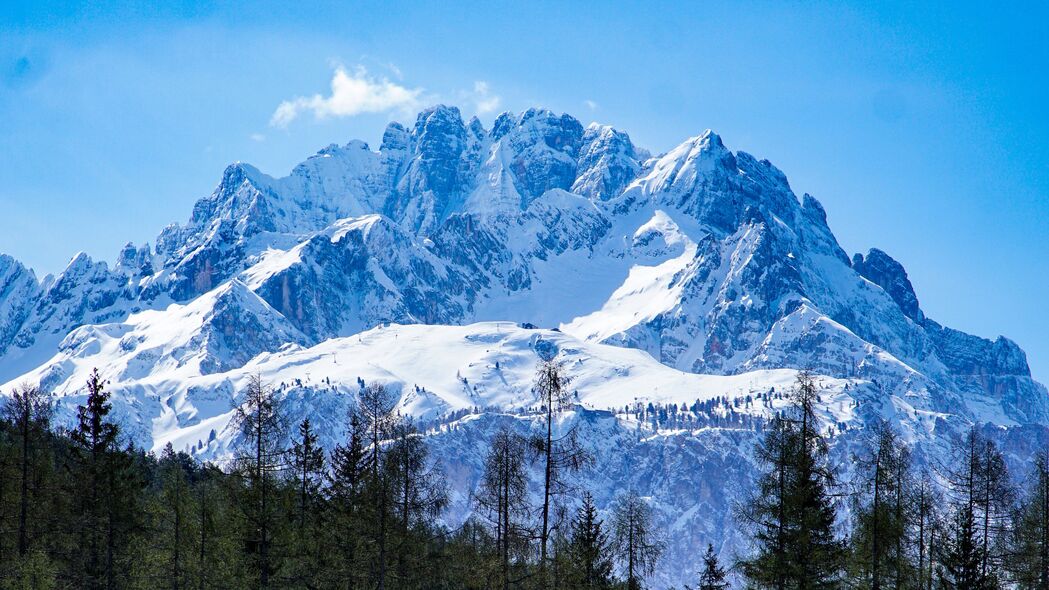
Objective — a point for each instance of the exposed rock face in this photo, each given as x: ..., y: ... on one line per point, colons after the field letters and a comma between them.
x: 702, y: 258
x: 882, y: 270
x: 19, y: 289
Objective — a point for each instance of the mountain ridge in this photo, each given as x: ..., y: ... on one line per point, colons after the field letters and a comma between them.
x: 461, y: 254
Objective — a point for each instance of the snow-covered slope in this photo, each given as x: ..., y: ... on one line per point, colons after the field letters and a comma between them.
x: 696, y: 274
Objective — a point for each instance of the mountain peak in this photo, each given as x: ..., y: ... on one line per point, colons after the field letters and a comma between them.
x: 883, y: 270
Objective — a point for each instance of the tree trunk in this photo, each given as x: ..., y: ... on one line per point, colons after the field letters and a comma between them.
x: 875, y: 536
x: 23, y: 541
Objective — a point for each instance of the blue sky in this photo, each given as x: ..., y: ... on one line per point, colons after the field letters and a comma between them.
x: 924, y: 130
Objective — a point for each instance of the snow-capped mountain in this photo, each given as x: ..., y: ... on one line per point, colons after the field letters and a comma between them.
x: 694, y: 275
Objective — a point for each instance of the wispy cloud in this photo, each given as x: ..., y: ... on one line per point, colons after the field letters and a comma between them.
x: 484, y: 100
x: 590, y: 104
x: 257, y: 137
x: 352, y: 93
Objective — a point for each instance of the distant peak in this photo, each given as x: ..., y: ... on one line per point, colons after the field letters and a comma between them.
x: 883, y: 270
x: 394, y: 138
x: 438, y: 114
x: 709, y: 139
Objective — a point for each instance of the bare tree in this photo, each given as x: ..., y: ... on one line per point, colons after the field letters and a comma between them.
x: 635, y: 538
x: 503, y: 497
x: 560, y: 455
x: 260, y: 459
x: 421, y: 493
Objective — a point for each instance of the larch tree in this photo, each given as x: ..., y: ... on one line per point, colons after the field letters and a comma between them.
x: 502, y: 497
x: 636, y: 540
x: 260, y: 458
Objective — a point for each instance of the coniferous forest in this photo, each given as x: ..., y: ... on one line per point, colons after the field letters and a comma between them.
x: 80, y: 508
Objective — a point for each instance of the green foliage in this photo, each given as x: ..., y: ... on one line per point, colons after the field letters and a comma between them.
x: 588, y: 552
x: 880, y: 551
x: 791, y: 516
x: 82, y: 509
x: 713, y: 576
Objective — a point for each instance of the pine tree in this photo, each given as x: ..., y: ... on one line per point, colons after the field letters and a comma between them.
x: 1029, y: 542
x: 882, y: 513
x: 307, y: 467
x: 636, y: 540
x: 588, y: 550
x: 791, y: 515
x: 713, y: 576
x: 29, y: 411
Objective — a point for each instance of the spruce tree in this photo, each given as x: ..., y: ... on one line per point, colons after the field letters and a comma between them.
x: 588, y: 551
x: 29, y: 411
x: 174, y: 532
x: 1028, y: 561
x: 376, y: 413
x: 791, y: 515
x: 713, y: 576
x: 345, y: 501
x: 972, y: 548
x: 307, y: 469
x: 96, y: 473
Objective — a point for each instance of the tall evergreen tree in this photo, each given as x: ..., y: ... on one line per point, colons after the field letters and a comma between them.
x: 791, y: 515
x: 345, y: 500
x: 1028, y: 561
x: 375, y: 409
x: 588, y: 551
x: 217, y: 547
x: 105, y: 485
x: 174, y: 533
x: 972, y: 549
x: 882, y: 513
x: 713, y: 576
x: 307, y: 469
x: 29, y: 411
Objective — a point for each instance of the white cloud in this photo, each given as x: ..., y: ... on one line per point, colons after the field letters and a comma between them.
x: 484, y: 100
x: 257, y: 137
x: 590, y: 104
x: 352, y: 93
